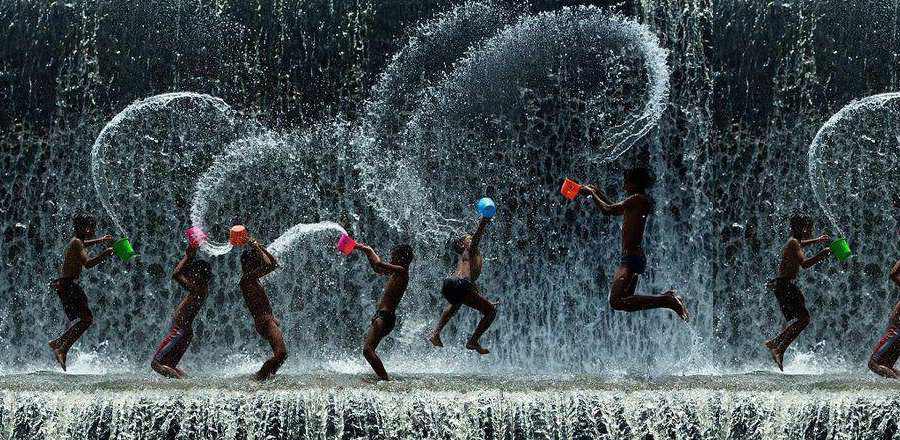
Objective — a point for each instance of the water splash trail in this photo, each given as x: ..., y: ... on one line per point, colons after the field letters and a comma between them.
x: 148, y: 155
x: 854, y: 166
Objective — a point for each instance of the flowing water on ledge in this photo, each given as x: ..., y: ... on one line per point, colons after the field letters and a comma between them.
x: 325, y: 406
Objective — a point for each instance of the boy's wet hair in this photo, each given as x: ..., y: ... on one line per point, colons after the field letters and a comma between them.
x: 200, y: 269
x: 798, y: 223
x: 82, y: 220
x: 640, y: 177
x: 402, y: 254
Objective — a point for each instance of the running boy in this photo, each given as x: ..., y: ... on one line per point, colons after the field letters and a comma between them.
x: 74, y: 301
x: 193, y: 274
x: 635, y: 209
x: 888, y: 349
x: 385, y: 318
x: 257, y: 262
x: 459, y: 288
x: 790, y: 299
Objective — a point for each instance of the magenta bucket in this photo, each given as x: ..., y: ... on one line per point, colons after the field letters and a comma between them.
x: 346, y: 244
x: 195, y: 236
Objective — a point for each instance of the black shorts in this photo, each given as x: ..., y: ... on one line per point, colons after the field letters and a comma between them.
x: 455, y: 289
x: 388, y: 318
x: 635, y: 263
x: 74, y: 301
x: 790, y: 300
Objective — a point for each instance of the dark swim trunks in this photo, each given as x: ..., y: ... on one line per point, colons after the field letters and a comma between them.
x: 790, y: 300
x: 455, y: 289
x: 74, y: 301
x: 388, y: 318
x: 888, y: 348
x: 173, y: 346
x: 634, y: 263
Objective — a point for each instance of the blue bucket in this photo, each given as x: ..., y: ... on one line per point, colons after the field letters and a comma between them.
x: 486, y: 207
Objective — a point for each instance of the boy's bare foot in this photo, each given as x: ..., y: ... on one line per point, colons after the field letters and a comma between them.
x: 777, y: 355
x: 680, y: 309
x: 477, y: 347
x: 385, y: 378
x: 59, y: 354
x: 166, y: 370
x: 436, y: 340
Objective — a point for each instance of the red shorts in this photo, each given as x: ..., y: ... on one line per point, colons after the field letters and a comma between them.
x: 173, y: 346
x: 888, y: 348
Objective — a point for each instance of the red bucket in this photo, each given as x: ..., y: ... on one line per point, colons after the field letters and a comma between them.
x: 238, y: 235
x: 570, y: 189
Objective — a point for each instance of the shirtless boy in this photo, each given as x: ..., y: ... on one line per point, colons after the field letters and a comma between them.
x: 385, y: 318
x: 790, y: 299
x: 888, y: 349
x: 459, y: 288
x: 635, y: 209
x: 257, y: 262
x: 193, y: 274
x: 74, y: 301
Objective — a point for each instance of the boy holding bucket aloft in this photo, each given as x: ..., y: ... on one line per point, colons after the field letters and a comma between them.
x: 459, y: 288
x: 790, y: 299
x: 257, y: 262
x: 193, y: 274
x: 634, y: 209
x: 888, y: 349
x: 74, y: 301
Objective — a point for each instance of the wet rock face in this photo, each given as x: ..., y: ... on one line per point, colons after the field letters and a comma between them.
x: 348, y: 414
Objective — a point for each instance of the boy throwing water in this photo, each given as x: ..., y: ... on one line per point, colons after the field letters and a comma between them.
x: 193, y: 274
x: 385, y: 318
x: 635, y: 209
x: 257, y: 262
x: 74, y: 301
x: 459, y: 288
x: 888, y: 349
x: 790, y: 299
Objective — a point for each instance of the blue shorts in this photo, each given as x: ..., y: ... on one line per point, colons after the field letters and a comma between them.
x: 634, y: 263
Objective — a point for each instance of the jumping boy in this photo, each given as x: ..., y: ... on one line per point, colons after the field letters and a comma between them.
x: 385, y: 318
x: 635, y: 209
x: 257, y: 262
x: 790, y: 299
x: 888, y: 349
x: 193, y: 274
x: 459, y: 288
x: 74, y: 301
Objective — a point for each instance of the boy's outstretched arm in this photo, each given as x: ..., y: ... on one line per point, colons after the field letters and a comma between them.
x: 380, y: 267
x: 178, y: 275
x: 269, y: 261
x: 822, y: 239
x: 479, y: 232
x: 603, y: 203
x: 88, y: 262
x: 102, y: 240
x: 806, y: 263
x: 895, y: 273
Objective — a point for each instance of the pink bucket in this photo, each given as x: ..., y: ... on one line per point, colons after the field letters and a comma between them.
x: 195, y: 236
x: 346, y: 244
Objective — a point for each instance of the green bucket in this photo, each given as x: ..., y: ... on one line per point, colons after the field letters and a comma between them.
x: 123, y: 249
x: 841, y: 249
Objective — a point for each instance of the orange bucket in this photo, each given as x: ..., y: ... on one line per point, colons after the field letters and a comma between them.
x: 570, y: 189
x: 238, y: 235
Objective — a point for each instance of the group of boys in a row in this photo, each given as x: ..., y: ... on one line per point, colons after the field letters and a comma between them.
x: 459, y: 288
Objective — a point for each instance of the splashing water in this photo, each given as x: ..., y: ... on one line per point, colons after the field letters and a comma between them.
x: 854, y: 168
x: 552, y: 85
x: 146, y: 159
x: 269, y: 182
